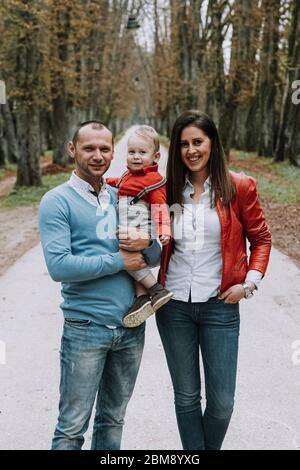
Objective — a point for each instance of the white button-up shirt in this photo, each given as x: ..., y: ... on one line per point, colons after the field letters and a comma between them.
x: 195, y: 267
x: 87, y: 192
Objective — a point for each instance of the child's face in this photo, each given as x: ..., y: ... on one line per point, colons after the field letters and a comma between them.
x: 140, y: 152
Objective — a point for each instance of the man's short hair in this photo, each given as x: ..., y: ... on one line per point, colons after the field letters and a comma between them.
x: 95, y: 124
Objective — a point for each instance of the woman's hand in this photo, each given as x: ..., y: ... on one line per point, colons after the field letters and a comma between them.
x: 233, y: 295
x: 132, y: 239
x: 164, y: 239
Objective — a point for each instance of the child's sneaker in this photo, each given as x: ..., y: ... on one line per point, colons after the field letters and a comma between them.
x: 139, y: 312
x: 159, y: 296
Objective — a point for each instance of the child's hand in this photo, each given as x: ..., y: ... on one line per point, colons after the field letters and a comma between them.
x: 164, y: 239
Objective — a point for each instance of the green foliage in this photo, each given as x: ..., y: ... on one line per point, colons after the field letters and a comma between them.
x: 277, y: 182
x: 25, y: 196
x: 284, y: 192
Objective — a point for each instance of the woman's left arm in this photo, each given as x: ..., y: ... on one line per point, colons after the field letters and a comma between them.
x: 257, y: 232
x: 255, y: 226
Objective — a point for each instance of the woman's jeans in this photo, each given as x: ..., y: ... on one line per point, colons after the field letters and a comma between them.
x: 214, y: 327
x: 96, y: 360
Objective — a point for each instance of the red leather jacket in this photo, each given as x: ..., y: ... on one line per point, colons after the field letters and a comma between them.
x: 243, y: 218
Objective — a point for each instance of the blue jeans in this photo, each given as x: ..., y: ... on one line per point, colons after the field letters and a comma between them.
x: 102, y: 362
x: 213, y: 327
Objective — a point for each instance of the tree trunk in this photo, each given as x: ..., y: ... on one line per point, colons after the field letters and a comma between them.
x: 215, y: 63
x: 186, y: 41
x: 29, y: 173
x: 294, y: 136
x: 241, y: 80
x: 27, y: 111
x: 61, y: 132
x: 60, y: 111
x: 288, y: 141
x: 11, y: 133
x: 3, y: 141
x: 268, y: 77
x: 45, y: 131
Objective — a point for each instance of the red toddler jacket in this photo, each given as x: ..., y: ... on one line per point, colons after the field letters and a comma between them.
x: 135, y: 181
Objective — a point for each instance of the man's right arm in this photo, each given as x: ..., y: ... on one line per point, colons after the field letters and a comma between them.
x: 62, y: 265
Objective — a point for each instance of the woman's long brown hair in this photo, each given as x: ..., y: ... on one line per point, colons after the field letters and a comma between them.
x: 221, y: 183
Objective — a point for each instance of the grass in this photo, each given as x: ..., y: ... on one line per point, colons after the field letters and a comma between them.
x: 24, y: 196
x: 277, y: 182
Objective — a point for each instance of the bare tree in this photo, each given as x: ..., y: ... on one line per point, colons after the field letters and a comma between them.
x: 268, y: 77
x: 25, y: 79
x: 241, y: 83
x: 288, y: 142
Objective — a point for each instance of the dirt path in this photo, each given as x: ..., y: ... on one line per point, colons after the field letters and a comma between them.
x: 18, y: 233
x: 6, y: 185
x: 284, y: 222
x: 19, y: 227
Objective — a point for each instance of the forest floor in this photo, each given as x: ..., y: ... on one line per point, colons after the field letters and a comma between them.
x: 18, y: 212
x: 279, y: 188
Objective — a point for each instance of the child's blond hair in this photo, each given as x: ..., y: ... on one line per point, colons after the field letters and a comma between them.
x: 150, y: 133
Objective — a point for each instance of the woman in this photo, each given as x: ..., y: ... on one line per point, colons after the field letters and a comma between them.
x: 206, y: 268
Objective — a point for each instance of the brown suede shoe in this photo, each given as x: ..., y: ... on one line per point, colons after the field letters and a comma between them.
x: 159, y: 296
x: 139, y: 312
x: 160, y: 299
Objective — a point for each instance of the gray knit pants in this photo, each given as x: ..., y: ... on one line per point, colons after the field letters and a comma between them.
x: 136, y: 215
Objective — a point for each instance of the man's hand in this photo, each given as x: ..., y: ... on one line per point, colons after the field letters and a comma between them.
x: 132, y: 239
x: 233, y: 295
x: 132, y: 261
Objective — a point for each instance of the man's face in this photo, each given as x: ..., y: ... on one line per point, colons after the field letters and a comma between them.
x: 93, y: 153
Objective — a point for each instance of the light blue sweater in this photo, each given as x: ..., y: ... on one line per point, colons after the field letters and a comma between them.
x: 87, y: 263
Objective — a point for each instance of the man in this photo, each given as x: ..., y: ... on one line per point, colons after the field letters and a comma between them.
x: 99, y: 357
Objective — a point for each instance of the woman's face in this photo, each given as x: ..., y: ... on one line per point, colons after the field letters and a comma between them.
x: 195, y: 148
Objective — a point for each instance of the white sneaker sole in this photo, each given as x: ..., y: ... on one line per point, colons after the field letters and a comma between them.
x: 162, y: 301
x: 134, y: 319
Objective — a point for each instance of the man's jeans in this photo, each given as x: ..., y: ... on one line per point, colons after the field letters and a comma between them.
x: 96, y: 359
x: 214, y: 326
